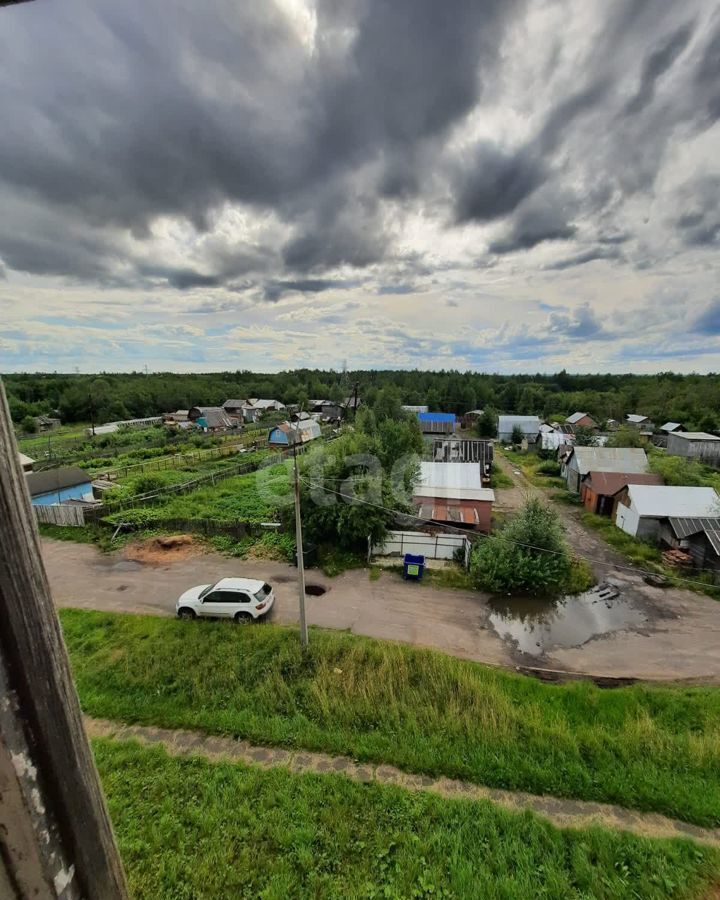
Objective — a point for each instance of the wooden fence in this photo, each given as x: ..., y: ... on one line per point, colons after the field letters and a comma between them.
x: 172, y: 461
x: 60, y: 514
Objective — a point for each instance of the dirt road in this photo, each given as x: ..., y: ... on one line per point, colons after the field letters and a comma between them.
x: 685, y: 627
x: 680, y: 639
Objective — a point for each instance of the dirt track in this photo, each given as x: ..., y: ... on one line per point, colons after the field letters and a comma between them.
x: 680, y: 641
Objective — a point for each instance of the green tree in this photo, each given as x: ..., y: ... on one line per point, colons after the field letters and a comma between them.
x: 585, y: 437
x: 28, y: 425
x: 626, y: 436
x: 487, y: 424
x: 529, y: 556
x: 517, y: 435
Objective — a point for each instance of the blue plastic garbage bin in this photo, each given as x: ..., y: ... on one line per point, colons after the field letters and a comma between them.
x: 413, y: 567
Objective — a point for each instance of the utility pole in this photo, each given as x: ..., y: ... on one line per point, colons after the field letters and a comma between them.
x: 92, y: 414
x: 355, y: 402
x: 299, y: 545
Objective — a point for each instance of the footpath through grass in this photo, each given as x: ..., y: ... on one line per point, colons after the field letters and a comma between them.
x: 188, y: 828
x: 650, y: 748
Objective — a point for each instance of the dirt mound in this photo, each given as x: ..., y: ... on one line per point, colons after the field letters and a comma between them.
x: 167, y: 548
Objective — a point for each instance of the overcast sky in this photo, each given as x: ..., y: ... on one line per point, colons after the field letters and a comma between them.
x: 476, y: 184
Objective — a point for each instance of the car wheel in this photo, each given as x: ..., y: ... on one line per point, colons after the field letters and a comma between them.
x: 186, y: 613
x: 243, y: 618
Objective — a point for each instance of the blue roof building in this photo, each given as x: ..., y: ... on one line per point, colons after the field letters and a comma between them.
x: 436, y: 423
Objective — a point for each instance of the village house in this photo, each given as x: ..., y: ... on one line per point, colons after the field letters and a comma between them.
x: 234, y: 408
x: 327, y: 409
x: 253, y: 409
x: 47, y: 423
x: 471, y: 417
x: 697, y: 445
x: 644, y: 509
x: 528, y: 425
x: 577, y: 464
x: 599, y: 491
x: 287, y: 433
x: 581, y: 420
x: 453, y: 493
x: 437, y: 423
x: 211, y: 418
x: 555, y: 435
x: 55, y: 486
x: 642, y: 423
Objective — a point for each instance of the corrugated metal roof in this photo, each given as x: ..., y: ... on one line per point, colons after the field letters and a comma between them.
x: 670, y: 426
x: 609, y: 483
x: 456, y: 493
x: 696, y: 436
x: 610, y: 459
x: 447, y: 512
x: 666, y: 501
x: 529, y: 425
x: 686, y: 527
x: 575, y: 417
x: 436, y: 417
x: 636, y: 419
x: 450, y: 475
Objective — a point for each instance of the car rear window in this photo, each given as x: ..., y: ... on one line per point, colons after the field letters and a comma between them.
x: 263, y: 592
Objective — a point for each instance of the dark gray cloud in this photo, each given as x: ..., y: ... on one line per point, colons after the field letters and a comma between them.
x: 585, y: 256
x: 120, y: 117
x: 582, y: 324
x: 492, y: 182
x: 544, y: 217
x: 698, y: 212
x: 274, y: 290
x: 656, y: 64
x: 709, y: 321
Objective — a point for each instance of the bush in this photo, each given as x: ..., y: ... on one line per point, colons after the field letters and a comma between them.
x: 549, y: 467
x: 28, y: 425
x: 529, y: 556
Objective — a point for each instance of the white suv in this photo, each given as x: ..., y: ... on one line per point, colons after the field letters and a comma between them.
x: 242, y: 599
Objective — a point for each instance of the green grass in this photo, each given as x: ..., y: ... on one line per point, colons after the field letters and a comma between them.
x: 652, y: 748
x: 498, y: 478
x: 189, y: 828
x: 254, y: 497
x: 333, y: 561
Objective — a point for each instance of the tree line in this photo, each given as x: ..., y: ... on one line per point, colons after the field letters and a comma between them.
x: 693, y: 400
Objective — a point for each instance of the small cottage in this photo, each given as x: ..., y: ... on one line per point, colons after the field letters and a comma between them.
x: 211, y: 418
x: 286, y: 433
x: 599, y: 491
x: 697, y: 445
x: 528, y: 425
x: 643, y: 509
x: 581, y: 420
x: 576, y: 465
x: 453, y: 493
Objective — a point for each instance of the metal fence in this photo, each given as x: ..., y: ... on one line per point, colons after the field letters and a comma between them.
x: 432, y: 546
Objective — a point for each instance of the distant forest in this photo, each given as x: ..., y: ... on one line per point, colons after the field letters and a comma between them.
x: 693, y: 400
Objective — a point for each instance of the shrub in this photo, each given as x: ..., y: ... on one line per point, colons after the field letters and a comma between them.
x: 529, y: 556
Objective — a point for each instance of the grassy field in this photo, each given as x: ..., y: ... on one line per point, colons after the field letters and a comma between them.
x: 254, y: 497
x: 540, y: 472
x: 650, y: 748
x: 188, y: 828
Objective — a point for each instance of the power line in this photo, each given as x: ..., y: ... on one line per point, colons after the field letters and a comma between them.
x: 499, y: 534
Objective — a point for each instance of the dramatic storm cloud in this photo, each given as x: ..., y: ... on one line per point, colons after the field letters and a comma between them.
x: 499, y: 184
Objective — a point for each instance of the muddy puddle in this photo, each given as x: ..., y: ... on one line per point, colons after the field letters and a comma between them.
x: 537, y: 627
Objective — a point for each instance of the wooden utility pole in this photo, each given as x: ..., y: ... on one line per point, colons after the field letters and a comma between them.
x: 56, y: 840
x: 300, y: 552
